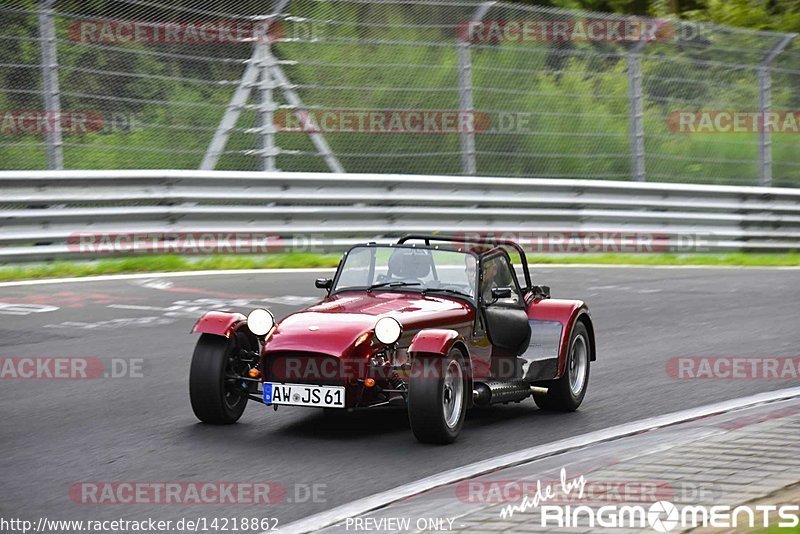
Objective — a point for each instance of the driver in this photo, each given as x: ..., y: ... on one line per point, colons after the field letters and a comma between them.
x: 490, y: 279
x: 471, y: 267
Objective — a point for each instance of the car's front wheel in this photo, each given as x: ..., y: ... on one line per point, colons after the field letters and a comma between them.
x: 217, y: 396
x: 437, y: 397
x: 567, y: 393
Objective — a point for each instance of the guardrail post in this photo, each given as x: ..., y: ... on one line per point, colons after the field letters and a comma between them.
x: 50, y: 90
x: 465, y: 102
x: 636, y: 107
x: 764, y: 106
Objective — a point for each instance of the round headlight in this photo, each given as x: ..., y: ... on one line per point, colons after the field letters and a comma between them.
x: 388, y: 330
x: 260, y: 321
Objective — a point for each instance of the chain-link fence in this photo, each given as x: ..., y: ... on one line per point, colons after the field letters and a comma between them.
x: 398, y: 86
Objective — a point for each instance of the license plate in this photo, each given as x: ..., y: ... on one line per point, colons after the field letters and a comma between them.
x: 304, y: 395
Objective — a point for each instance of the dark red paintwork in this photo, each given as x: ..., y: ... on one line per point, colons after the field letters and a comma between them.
x: 339, y: 320
x: 219, y: 323
x: 434, y: 341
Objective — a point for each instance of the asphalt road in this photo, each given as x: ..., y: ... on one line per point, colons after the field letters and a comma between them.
x: 140, y: 428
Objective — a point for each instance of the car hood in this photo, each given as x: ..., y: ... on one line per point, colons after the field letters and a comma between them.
x: 333, y: 326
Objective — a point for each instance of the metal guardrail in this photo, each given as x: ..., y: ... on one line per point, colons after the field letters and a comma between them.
x: 41, y: 212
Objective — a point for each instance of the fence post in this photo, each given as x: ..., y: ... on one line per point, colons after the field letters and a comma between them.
x: 263, y: 66
x: 297, y: 105
x: 255, y: 68
x: 764, y: 106
x: 636, y: 107
x: 50, y: 90
x: 465, y: 102
x: 267, y: 108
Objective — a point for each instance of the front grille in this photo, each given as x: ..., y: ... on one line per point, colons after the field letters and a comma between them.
x: 310, y: 368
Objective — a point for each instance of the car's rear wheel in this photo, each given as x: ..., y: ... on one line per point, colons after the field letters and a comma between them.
x: 437, y: 397
x: 567, y: 393
x: 217, y: 396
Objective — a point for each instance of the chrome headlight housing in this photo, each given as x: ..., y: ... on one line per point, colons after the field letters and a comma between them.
x: 388, y: 330
x: 260, y: 321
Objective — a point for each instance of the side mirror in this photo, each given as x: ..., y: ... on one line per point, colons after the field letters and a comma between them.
x: 541, y: 292
x: 323, y: 283
x: 546, y: 292
x: 501, y: 293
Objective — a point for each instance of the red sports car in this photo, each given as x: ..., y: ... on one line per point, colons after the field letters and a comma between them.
x: 432, y: 323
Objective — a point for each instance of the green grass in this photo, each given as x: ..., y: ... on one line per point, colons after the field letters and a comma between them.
x: 734, y: 259
x: 152, y: 264
x: 165, y: 263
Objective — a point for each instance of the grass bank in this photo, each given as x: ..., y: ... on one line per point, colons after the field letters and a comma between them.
x: 153, y: 264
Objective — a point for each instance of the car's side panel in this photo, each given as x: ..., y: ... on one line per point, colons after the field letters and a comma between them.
x: 566, y: 313
x: 219, y: 323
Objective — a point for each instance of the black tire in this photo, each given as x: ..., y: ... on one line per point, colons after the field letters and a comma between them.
x: 215, y: 399
x: 567, y: 393
x: 429, y: 398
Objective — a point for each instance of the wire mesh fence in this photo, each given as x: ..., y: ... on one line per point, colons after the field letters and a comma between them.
x: 398, y: 86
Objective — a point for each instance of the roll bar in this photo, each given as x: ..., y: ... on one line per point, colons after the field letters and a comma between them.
x: 427, y: 238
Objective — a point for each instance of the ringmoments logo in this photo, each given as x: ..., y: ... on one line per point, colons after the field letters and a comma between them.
x: 664, y: 516
x: 661, y: 516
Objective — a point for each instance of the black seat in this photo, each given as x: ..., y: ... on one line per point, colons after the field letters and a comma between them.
x: 409, y: 263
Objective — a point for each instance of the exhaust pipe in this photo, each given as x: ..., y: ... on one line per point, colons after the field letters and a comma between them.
x: 495, y: 392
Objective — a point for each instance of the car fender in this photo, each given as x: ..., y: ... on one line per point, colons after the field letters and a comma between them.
x: 434, y: 341
x: 219, y: 323
x: 567, y: 313
x: 439, y: 342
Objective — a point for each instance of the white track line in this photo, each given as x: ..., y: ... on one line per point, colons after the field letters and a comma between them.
x: 176, y: 274
x: 362, y: 506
